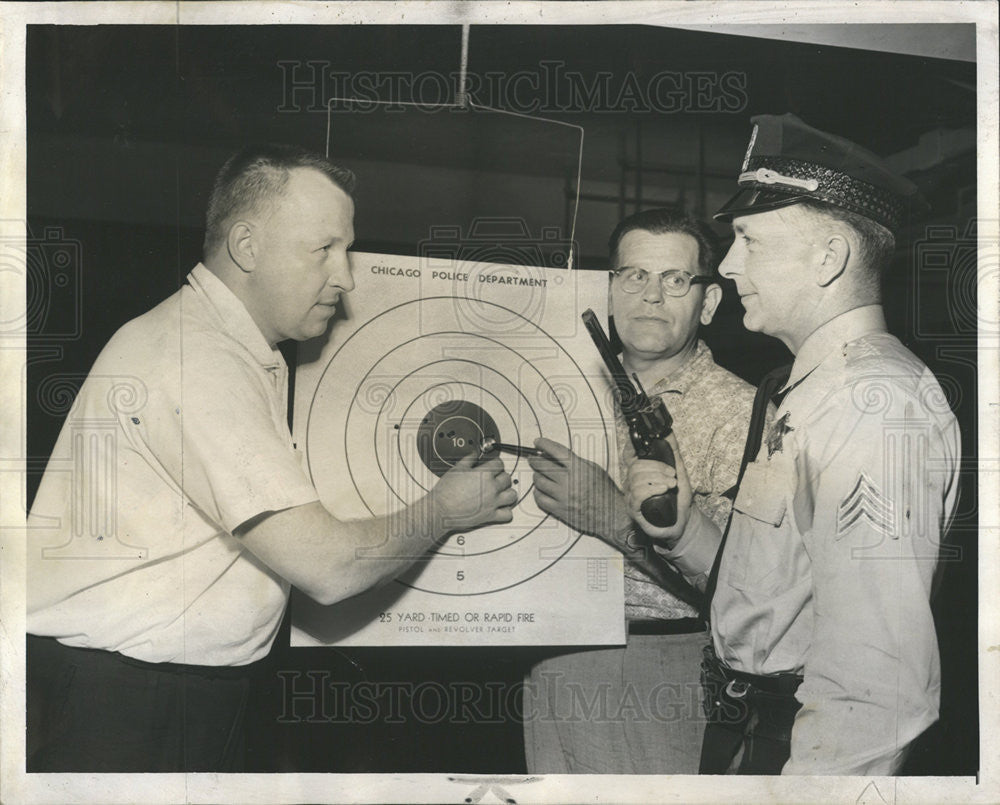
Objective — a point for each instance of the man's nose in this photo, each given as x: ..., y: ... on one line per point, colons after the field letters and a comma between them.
x: 653, y: 292
x: 732, y: 263
x: 341, y: 275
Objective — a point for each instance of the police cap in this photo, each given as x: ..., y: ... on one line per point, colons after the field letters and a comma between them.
x: 789, y: 161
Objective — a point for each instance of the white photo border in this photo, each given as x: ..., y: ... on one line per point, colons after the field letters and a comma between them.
x: 18, y: 787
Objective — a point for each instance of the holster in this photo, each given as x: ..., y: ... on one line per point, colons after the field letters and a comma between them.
x: 763, y: 705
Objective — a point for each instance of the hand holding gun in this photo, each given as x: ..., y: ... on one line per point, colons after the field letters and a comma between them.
x: 649, y: 424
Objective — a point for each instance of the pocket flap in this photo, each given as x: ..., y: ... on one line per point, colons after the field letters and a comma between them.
x: 762, y: 491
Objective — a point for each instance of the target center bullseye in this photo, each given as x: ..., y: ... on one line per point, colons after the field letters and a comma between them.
x: 450, y: 431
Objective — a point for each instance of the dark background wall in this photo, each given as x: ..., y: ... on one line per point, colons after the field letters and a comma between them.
x: 127, y: 124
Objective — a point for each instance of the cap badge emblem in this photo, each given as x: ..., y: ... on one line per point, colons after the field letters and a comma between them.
x: 753, y: 139
x: 767, y: 176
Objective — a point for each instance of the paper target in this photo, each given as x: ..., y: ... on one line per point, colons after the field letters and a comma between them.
x: 426, y: 358
x: 411, y: 391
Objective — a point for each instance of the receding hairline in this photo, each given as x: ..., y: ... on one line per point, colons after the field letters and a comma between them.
x: 667, y: 220
x: 301, y: 171
x: 252, y: 181
x: 698, y: 272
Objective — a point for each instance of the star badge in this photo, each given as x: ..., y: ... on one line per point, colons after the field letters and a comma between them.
x: 776, y: 437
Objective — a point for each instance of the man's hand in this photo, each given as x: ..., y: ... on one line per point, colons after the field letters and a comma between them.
x: 471, y: 494
x: 577, y: 492
x: 330, y: 559
x: 645, y: 478
x: 584, y: 497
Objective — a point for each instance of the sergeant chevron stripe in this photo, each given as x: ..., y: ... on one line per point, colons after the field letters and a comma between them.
x: 866, y: 501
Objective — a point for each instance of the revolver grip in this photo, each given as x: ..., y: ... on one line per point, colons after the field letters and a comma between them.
x: 661, y: 510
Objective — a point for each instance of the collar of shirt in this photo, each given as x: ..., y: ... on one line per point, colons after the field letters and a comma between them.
x: 832, y: 335
x: 679, y: 381
x: 233, y: 318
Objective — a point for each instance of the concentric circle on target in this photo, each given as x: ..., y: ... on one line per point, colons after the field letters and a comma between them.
x: 451, y: 431
x: 402, y: 448
x: 386, y: 424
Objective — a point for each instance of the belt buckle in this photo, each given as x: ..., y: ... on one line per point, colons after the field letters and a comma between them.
x: 736, y: 689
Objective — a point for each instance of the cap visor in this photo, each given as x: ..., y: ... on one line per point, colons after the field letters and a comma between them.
x: 750, y: 200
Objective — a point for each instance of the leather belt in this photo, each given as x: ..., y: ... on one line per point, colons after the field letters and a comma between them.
x: 739, y: 683
x: 667, y: 627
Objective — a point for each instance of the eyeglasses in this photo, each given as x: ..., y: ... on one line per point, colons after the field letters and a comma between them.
x: 632, y: 279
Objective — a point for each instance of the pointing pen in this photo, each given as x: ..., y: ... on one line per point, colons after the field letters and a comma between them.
x: 489, y: 444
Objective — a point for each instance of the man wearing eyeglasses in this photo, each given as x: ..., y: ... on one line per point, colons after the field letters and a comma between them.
x: 636, y: 709
x: 824, y: 657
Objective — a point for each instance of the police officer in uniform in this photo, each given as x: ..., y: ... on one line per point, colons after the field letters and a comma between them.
x: 823, y: 657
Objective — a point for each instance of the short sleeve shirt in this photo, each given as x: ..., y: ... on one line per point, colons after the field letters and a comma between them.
x: 178, y: 436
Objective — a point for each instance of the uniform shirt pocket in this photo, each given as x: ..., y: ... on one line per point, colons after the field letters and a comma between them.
x: 755, y: 551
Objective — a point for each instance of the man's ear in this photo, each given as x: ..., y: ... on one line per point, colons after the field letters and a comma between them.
x: 242, y: 245
x: 833, y: 258
x: 710, y: 302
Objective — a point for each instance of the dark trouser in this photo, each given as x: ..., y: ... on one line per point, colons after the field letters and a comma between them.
x: 99, y: 711
x: 746, y: 711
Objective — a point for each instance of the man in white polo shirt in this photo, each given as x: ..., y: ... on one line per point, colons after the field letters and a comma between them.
x: 175, y: 514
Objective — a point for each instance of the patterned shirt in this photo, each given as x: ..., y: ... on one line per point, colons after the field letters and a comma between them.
x: 711, y: 410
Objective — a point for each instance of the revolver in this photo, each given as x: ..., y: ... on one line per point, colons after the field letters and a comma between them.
x: 649, y: 423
